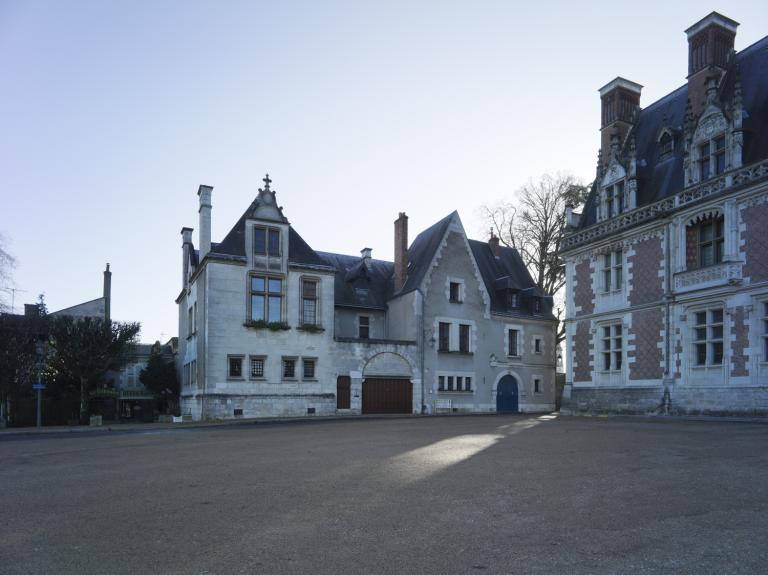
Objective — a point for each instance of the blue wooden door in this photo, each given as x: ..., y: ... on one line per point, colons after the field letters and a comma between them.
x: 506, y: 395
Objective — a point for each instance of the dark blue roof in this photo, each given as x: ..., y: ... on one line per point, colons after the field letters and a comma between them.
x: 422, y: 250
x: 356, y: 284
x: 660, y: 178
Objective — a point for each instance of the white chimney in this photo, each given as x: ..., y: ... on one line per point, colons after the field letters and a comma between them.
x: 204, y: 193
x: 186, y: 245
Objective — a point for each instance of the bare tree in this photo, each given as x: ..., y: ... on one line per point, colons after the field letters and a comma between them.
x: 7, y: 263
x: 533, y: 223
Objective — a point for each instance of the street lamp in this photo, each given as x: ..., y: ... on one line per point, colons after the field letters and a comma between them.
x: 39, y: 386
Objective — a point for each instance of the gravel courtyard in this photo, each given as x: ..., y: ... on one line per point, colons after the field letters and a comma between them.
x: 469, y: 494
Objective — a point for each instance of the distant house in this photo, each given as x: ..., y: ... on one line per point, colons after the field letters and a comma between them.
x: 667, y: 266
x: 270, y: 327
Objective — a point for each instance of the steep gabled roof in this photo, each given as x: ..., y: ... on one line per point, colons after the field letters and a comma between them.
x: 422, y: 251
x: 658, y: 177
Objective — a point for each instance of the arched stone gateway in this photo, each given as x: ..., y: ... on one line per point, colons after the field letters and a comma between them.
x: 387, y: 386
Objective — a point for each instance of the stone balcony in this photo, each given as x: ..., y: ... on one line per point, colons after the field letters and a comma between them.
x: 708, y: 277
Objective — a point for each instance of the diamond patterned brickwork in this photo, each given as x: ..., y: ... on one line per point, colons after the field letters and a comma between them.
x: 739, y: 342
x: 755, y: 241
x: 645, y: 334
x: 646, y: 284
x: 583, y: 293
x: 582, y: 352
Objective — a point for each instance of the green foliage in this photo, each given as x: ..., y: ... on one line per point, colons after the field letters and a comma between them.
x: 270, y: 325
x: 310, y: 328
x: 159, y: 376
x: 86, y: 348
x: 18, y: 336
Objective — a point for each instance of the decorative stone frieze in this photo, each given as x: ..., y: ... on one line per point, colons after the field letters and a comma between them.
x: 711, y: 276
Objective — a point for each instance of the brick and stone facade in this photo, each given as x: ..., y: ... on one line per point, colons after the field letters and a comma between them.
x: 667, y: 264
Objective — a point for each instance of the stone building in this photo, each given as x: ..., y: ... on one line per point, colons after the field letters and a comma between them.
x: 270, y: 327
x: 667, y: 265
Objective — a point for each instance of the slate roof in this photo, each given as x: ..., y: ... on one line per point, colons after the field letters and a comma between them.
x: 422, y: 250
x: 358, y: 286
x: 658, y: 179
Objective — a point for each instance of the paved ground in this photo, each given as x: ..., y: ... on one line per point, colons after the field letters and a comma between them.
x: 490, y: 494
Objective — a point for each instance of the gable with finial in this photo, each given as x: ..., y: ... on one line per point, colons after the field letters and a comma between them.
x: 265, y: 207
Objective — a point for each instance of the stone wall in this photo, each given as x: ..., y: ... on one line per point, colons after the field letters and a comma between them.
x: 583, y: 292
x: 755, y: 242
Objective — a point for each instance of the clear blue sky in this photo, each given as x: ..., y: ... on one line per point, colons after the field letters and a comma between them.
x: 112, y: 113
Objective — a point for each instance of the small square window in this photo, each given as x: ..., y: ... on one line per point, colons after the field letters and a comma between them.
x: 309, y: 368
x: 364, y: 327
x: 257, y: 367
x: 455, y: 292
x: 289, y: 368
x: 235, y: 367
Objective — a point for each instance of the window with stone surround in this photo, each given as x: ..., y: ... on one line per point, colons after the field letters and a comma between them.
x: 454, y: 382
x: 536, y: 385
x: 705, y: 243
x: 289, y: 368
x: 266, y: 241
x: 537, y: 345
x: 256, y: 367
x: 235, y: 366
x: 266, y: 298
x: 711, y: 158
x: 513, y: 342
x: 464, y: 338
x: 612, y: 268
x: 309, y: 301
x: 708, y: 337
x: 614, y: 199
x: 612, y: 347
x: 363, y: 326
x: 454, y: 292
x: 308, y: 368
x: 764, y: 330
x: 444, y: 336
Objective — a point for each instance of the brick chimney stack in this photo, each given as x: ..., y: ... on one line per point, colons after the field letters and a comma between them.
x: 365, y: 253
x: 401, y: 251
x: 493, y: 242
x: 204, y: 193
x: 620, y: 105
x: 710, y: 44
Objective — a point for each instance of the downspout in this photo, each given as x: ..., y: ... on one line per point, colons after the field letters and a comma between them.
x: 421, y: 348
x: 667, y: 399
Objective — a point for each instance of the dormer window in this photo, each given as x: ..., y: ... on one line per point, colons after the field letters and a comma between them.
x: 513, y: 299
x: 614, y: 199
x: 712, y: 158
x: 666, y: 146
x: 266, y: 241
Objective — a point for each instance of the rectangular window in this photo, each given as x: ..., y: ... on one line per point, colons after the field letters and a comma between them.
x: 612, y: 347
x: 719, y: 155
x: 537, y: 345
x: 711, y: 242
x: 513, y: 299
x: 266, y: 299
x: 609, y: 201
x: 235, y: 367
x: 289, y: 368
x: 450, y: 383
x: 440, y: 383
x: 613, y: 271
x: 444, y: 336
x: 467, y: 383
x: 708, y: 337
x: 765, y: 331
x: 537, y: 386
x: 194, y: 319
x: 459, y: 382
x: 363, y: 327
x: 193, y: 373
x: 190, y: 329
x: 309, y: 368
x: 464, y: 338
x: 704, y: 163
x: 619, y: 193
x: 513, y: 350
x: 309, y: 302
x: 455, y: 292
x: 257, y: 367
x: 266, y: 241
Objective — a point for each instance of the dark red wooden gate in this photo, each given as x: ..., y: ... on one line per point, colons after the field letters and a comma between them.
x: 343, y: 384
x: 387, y: 396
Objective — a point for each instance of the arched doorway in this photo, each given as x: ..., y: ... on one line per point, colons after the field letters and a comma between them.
x: 506, y: 395
x: 387, y: 386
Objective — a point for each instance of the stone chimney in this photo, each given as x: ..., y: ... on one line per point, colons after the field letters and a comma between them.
x: 710, y: 44
x: 186, y: 246
x: 365, y: 253
x: 401, y: 251
x: 107, y: 294
x: 620, y: 105
x: 204, y: 193
x: 493, y: 242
